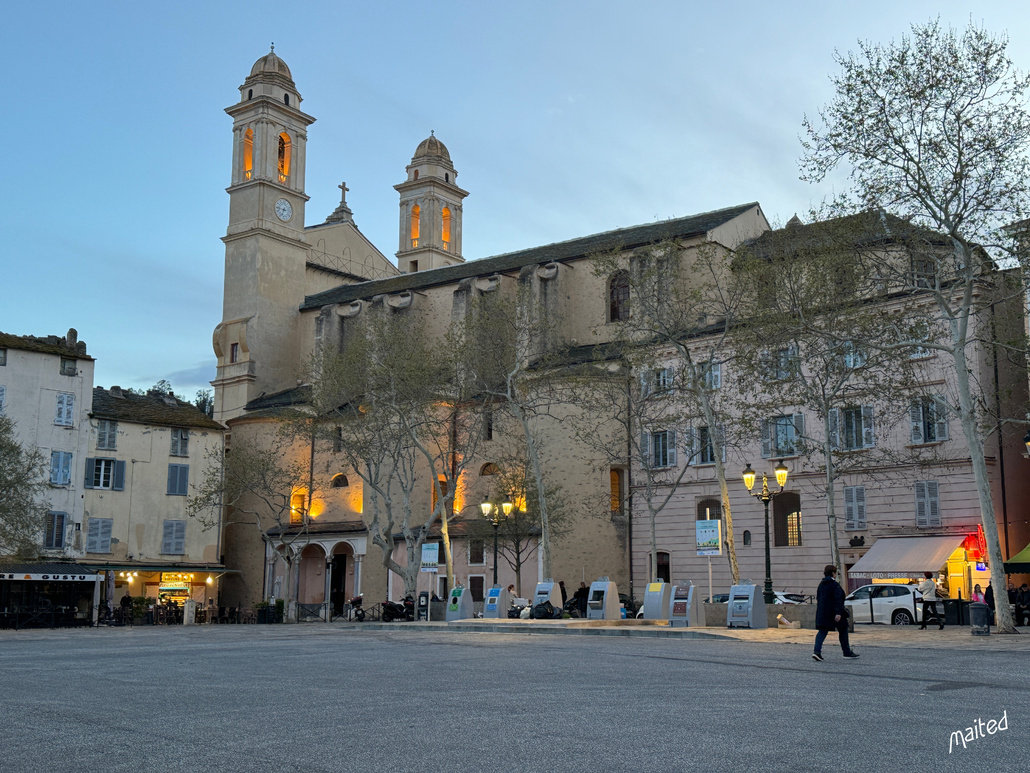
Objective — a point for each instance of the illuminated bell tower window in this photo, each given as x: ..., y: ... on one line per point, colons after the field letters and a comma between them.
x: 285, y: 151
x: 297, y: 507
x: 248, y: 154
x: 445, y: 231
x: 416, y: 212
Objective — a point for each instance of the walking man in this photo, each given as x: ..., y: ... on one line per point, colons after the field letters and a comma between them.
x: 831, y: 614
x: 929, y: 590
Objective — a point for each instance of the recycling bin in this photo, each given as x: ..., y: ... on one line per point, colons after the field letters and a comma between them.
x: 684, y: 606
x: 548, y: 590
x: 656, y: 600
x: 496, y: 603
x: 603, y: 600
x: 459, y: 605
x: 746, y: 607
x: 422, y: 610
x: 979, y: 619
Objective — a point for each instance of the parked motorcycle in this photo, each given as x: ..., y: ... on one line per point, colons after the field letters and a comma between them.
x: 356, y: 613
x: 399, y: 610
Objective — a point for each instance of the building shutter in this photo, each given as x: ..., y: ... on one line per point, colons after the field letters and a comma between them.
x: 168, y: 537
x: 3, y: 394
x: 922, y: 517
x: 933, y: 505
x: 868, y: 436
x: 767, y: 443
x: 915, y: 415
x: 93, y: 536
x: 645, y: 449
x: 941, y: 418
x: 715, y: 375
x: 178, y: 479
x: 692, y: 446
x: 179, y: 537
x: 854, y: 507
x: 91, y: 465
x: 671, y: 436
x: 118, y: 484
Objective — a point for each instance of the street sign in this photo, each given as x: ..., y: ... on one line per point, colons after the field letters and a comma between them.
x: 430, y: 557
x: 709, y: 537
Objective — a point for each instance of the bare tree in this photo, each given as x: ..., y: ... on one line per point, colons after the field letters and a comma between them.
x: 24, y: 497
x: 935, y: 128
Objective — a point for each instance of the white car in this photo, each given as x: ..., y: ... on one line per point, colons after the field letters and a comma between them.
x: 887, y: 603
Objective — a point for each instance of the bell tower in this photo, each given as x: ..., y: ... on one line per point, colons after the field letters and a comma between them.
x: 430, y: 226
x: 265, y: 250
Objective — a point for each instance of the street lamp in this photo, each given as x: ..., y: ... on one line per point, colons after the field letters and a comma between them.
x: 494, y: 513
x: 1026, y: 442
x: 764, y: 497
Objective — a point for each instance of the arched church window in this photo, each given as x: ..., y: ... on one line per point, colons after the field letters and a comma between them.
x: 248, y: 154
x: 250, y: 93
x: 446, y: 177
x: 297, y: 500
x: 445, y: 216
x: 339, y: 481
x: 286, y: 98
x: 618, y: 297
x: 415, y: 215
x: 747, y: 537
x: 285, y: 151
x: 416, y: 175
x: 489, y: 469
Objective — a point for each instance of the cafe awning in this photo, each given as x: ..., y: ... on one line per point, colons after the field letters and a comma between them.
x: 899, y: 557
x: 1019, y: 563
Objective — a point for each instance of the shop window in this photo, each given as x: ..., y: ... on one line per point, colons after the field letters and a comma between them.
x: 787, y: 520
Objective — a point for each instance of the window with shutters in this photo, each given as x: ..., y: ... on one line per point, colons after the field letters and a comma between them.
x: 477, y: 552
x: 660, y: 449
x: 173, y: 540
x: 787, y: 520
x: 781, y: 435
x: 98, y: 537
x: 701, y: 444
x: 924, y: 273
x: 107, y: 434
x: 854, y: 355
x: 854, y: 507
x: 781, y: 364
x: 618, y: 297
x: 60, y: 468
x: 53, y: 537
x: 3, y: 397
x: 68, y: 366
x: 178, y: 479
x: 65, y: 415
x: 929, y: 420
x: 180, y: 442
x: 928, y: 505
x: 851, y: 428
x: 712, y: 375
x: 105, y: 474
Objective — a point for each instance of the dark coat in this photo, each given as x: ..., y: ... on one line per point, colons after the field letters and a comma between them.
x: 829, y: 601
x: 989, y: 596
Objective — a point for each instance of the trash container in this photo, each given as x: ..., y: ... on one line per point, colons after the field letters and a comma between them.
x: 979, y: 619
x: 956, y: 611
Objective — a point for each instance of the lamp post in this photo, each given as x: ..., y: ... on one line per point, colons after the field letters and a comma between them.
x: 764, y: 497
x: 494, y: 513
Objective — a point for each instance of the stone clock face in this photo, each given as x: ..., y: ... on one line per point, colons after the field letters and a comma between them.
x: 283, y: 210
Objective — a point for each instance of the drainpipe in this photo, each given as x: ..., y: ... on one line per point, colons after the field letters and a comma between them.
x: 1001, y: 446
x: 629, y: 482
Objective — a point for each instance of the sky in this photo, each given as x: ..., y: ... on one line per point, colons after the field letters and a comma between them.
x: 563, y: 119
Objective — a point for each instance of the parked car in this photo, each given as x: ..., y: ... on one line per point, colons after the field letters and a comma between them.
x: 789, y: 598
x: 886, y: 603
x: 718, y: 598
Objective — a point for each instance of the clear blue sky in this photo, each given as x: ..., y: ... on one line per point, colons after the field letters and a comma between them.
x: 562, y: 118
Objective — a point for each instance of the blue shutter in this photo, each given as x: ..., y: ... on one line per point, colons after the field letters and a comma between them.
x: 55, y: 467
x: 672, y: 447
x: 93, y: 536
x: 179, y: 537
x: 167, y: 536
x: 118, y: 484
x: 91, y: 465
x: 104, y: 540
x: 868, y: 435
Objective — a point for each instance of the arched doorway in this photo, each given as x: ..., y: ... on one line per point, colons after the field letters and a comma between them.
x: 311, y: 588
x: 341, y: 577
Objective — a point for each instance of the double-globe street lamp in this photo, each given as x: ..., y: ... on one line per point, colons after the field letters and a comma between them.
x: 495, y: 513
x: 764, y: 497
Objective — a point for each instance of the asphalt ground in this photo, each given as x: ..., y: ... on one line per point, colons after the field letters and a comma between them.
x: 336, y: 698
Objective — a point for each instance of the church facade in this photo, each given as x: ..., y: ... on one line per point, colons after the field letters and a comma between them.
x: 292, y: 288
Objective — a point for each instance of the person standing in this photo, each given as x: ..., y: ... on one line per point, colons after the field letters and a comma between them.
x: 831, y: 614
x: 1023, y: 605
x: 989, y: 600
x: 977, y: 594
x: 929, y: 590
